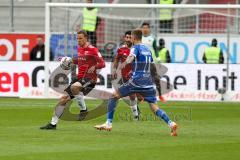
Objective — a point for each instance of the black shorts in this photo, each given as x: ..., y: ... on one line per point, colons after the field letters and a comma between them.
x: 87, y: 84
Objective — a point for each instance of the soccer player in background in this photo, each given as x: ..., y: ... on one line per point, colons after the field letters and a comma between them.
x: 122, y: 53
x: 150, y: 41
x: 141, y: 82
x: 89, y: 60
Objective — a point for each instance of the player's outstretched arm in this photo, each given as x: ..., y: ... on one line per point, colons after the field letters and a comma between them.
x: 156, y: 78
x: 100, y: 61
x: 129, y: 60
x: 100, y: 64
x: 115, y: 66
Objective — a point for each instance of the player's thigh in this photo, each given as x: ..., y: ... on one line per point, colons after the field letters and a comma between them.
x: 149, y: 94
x: 83, y: 85
x: 125, y: 89
x: 76, y: 88
x: 87, y: 84
x: 69, y: 91
x: 125, y: 81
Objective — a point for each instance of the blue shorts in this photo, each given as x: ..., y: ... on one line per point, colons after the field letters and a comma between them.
x: 149, y: 94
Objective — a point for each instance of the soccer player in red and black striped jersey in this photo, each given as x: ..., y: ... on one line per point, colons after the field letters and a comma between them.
x: 89, y: 60
x: 122, y: 53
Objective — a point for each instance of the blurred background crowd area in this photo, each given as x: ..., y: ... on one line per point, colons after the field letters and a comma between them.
x: 28, y: 17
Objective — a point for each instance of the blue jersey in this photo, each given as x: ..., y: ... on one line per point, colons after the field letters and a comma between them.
x: 141, y: 74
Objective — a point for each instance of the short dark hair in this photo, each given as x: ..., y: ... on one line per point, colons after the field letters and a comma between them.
x: 214, y: 40
x: 83, y: 32
x: 146, y: 24
x: 137, y: 33
x: 128, y: 33
x: 161, y: 42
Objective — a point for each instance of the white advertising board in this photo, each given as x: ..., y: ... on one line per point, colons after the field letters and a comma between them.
x: 191, y: 82
x: 190, y: 49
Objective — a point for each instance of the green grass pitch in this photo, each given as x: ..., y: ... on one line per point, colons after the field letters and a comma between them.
x: 206, y: 131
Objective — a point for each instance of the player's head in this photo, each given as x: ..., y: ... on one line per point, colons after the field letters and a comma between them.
x: 40, y: 40
x: 146, y: 28
x: 136, y: 36
x: 214, y: 42
x: 161, y: 42
x: 127, y: 38
x: 82, y: 38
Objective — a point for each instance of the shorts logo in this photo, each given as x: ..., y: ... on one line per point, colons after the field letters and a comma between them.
x: 82, y: 58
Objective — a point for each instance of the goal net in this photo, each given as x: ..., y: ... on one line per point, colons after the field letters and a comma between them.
x: 186, y: 29
x: 112, y: 22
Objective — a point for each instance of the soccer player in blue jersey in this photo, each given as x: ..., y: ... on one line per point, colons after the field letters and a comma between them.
x: 141, y: 82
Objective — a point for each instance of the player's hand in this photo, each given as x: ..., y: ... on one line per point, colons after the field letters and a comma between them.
x: 91, y: 69
x: 114, y: 75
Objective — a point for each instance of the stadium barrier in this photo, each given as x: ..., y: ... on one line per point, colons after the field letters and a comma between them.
x: 192, y: 82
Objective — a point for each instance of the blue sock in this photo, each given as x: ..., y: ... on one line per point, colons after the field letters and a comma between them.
x: 111, y: 109
x: 162, y: 114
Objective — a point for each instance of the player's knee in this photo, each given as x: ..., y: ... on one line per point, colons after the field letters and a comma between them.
x: 132, y: 97
x: 75, y: 88
x: 115, y: 95
x: 63, y: 97
x: 63, y: 100
x: 154, y: 107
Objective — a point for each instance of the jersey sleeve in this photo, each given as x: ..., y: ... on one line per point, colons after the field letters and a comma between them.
x: 100, y: 62
x: 134, y: 52
x: 117, y: 55
x: 75, y: 59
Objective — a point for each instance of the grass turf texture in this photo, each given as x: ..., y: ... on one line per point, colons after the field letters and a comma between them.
x: 207, y: 131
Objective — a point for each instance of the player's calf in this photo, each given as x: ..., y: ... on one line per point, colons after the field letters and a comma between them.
x: 58, y: 111
x: 163, y: 115
x: 81, y: 102
x: 112, y: 102
x: 134, y: 107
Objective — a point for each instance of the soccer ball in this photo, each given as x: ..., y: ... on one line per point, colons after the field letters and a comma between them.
x: 65, y: 63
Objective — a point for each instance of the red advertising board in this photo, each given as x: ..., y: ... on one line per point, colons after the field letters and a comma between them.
x: 17, y: 47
